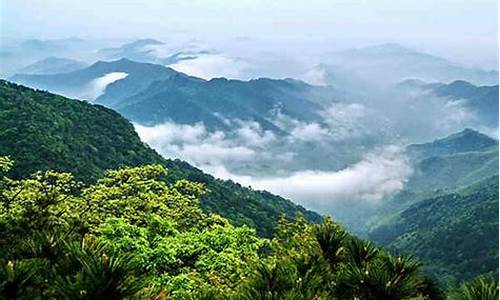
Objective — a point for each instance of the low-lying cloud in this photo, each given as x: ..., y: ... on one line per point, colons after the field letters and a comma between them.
x: 208, y: 66
x: 97, y: 86
x: 198, y: 145
x: 378, y: 175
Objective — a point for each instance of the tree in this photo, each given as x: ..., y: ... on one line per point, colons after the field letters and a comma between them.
x: 480, y: 288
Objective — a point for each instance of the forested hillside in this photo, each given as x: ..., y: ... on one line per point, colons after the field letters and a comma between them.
x: 456, y: 234
x: 41, y: 131
x: 453, y: 161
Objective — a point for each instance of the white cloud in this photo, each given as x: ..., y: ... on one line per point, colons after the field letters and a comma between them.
x: 316, y: 76
x: 206, y: 153
x: 276, y: 162
x: 96, y: 87
x: 376, y: 176
x: 345, y: 119
x: 309, y: 132
x: 251, y: 133
x: 341, y: 121
x: 454, y: 115
x: 196, y: 144
x: 210, y: 66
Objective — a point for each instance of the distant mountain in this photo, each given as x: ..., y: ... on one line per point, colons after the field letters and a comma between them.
x: 468, y: 140
x: 455, y: 234
x: 478, y: 103
x: 52, y: 45
x: 481, y: 99
x: 439, y: 167
x: 154, y: 51
x: 451, y: 162
x: 136, y: 50
x: 40, y: 131
x: 187, y: 100
x: 53, y: 65
x: 387, y: 64
x: 83, y: 83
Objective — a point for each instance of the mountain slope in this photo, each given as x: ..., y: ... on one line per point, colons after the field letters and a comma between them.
x: 459, y: 159
x: 455, y: 234
x: 136, y: 50
x: 483, y: 100
x: 468, y: 140
x: 40, y: 130
x: 447, y: 215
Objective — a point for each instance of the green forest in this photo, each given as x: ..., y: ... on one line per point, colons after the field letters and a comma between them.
x: 87, y: 211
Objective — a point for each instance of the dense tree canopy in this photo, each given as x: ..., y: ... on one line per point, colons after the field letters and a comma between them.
x: 130, y: 235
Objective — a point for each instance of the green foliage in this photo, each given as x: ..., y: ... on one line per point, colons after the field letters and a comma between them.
x: 334, y: 266
x: 87, y: 272
x: 95, y: 239
x: 480, y: 288
x: 130, y: 235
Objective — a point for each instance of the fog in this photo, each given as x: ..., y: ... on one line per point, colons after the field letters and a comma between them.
x: 463, y: 31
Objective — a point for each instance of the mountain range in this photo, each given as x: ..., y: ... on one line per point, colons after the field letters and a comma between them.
x: 387, y: 64
x: 152, y: 94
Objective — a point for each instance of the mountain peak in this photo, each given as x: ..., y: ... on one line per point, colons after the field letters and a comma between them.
x: 467, y: 140
x: 461, y: 84
x: 467, y: 133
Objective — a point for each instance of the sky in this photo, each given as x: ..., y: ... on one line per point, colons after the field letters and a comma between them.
x: 464, y: 31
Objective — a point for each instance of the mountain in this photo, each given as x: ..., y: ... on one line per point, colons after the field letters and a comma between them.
x: 53, y: 65
x: 459, y: 159
x: 468, y: 140
x: 268, y: 119
x: 189, y: 101
x: 482, y: 100
x: 439, y: 167
x: 450, y: 171
x: 388, y: 64
x: 447, y: 214
x: 139, y: 50
x: 99, y: 80
x: 40, y: 131
x: 455, y: 234
x: 448, y: 163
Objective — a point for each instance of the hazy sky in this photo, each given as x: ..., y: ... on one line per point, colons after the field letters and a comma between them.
x: 462, y: 30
